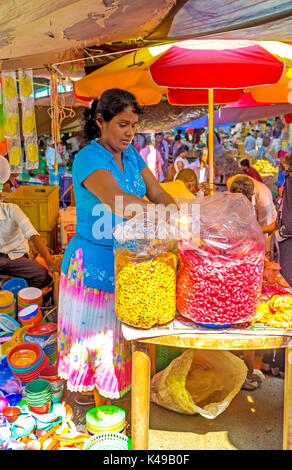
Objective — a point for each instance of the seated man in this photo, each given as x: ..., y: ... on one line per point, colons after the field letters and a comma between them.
x: 15, y: 231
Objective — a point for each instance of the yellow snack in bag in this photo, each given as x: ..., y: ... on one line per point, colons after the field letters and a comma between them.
x: 145, y: 292
x: 28, y: 124
x: 15, y: 155
x: 25, y: 85
x: 9, y: 88
x: 11, y: 123
x: 32, y: 152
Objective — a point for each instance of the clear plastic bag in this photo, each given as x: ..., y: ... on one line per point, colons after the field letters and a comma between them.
x: 221, y: 272
x: 145, y: 273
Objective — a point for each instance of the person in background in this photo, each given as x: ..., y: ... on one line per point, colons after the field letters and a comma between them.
x: 189, y: 178
x: 249, y: 143
x: 15, y: 231
x: 249, y: 170
x: 173, y: 148
x: 262, y: 199
x: 162, y: 146
x: 180, y: 159
x: 201, y: 168
x: 284, y: 166
x: 283, y: 234
x: 151, y: 157
x: 50, y: 161
x: 73, y: 144
x: 267, y: 140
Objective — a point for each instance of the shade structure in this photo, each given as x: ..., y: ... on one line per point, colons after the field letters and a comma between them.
x: 245, y: 109
x: 192, y: 72
x: 281, y: 92
x: 185, y: 70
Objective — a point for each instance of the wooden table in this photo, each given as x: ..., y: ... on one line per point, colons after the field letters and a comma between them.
x: 143, y: 367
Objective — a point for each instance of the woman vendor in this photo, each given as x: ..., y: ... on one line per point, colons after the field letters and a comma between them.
x: 93, y: 355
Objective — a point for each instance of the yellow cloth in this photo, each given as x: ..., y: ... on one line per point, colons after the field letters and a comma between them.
x: 178, y: 190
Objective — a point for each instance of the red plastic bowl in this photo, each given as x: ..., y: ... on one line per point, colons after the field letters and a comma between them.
x: 33, y: 374
x: 11, y: 413
x: 41, y: 410
x: 50, y: 373
x: 42, y: 329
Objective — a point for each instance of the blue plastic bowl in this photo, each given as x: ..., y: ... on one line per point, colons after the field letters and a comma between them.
x: 213, y: 325
x: 14, y: 285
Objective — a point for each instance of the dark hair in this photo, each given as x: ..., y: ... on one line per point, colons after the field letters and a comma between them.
x: 177, y: 137
x: 244, y: 162
x: 111, y: 103
x: 187, y: 175
x: 147, y: 141
x: 243, y: 185
x: 183, y: 148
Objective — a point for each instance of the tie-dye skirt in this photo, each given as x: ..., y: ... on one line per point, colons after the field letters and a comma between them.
x: 92, y: 352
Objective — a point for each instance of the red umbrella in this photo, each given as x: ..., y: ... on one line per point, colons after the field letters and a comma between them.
x: 189, y: 72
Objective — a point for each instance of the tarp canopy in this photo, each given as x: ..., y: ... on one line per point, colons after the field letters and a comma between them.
x: 36, y: 33
x: 157, y: 118
x: 261, y: 20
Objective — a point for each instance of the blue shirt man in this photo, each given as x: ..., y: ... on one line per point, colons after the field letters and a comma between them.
x: 249, y: 143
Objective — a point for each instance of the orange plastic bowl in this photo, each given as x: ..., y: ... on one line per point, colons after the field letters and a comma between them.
x: 11, y: 413
x: 27, y: 353
x: 23, y: 358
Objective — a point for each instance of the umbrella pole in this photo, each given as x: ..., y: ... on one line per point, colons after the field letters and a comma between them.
x: 211, y: 137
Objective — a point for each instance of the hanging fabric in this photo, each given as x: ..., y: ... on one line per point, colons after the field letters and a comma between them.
x: 11, y: 121
x: 28, y: 118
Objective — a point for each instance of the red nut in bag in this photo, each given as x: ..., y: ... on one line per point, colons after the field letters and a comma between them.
x: 221, y: 273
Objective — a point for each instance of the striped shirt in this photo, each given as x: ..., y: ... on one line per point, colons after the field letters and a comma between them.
x: 15, y: 231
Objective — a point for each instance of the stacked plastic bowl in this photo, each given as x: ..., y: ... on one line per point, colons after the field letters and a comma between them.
x: 50, y: 374
x: 14, y: 285
x: 7, y: 303
x: 45, y: 335
x: 106, y: 418
x: 38, y: 396
x: 29, y: 296
x: 30, y: 315
x: 26, y: 361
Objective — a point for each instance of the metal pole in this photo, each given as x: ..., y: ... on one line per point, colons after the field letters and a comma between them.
x: 211, y: 136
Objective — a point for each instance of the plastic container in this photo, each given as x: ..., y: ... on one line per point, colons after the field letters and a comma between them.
x: 145, y: 288
x: 106, y: 418
x: 30, y: 315
x: 14, y: 285
x: 11, y: 413
x: 39, y: 203
x: 7, y: 303
x: 29, y: 296
x: 108, y: 441
x: 65, y: 183
x: 67, y: 225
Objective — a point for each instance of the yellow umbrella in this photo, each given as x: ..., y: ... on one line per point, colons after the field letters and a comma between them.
x: 280, y: 92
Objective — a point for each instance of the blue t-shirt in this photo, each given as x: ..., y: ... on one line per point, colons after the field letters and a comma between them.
x: 95, y: 221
